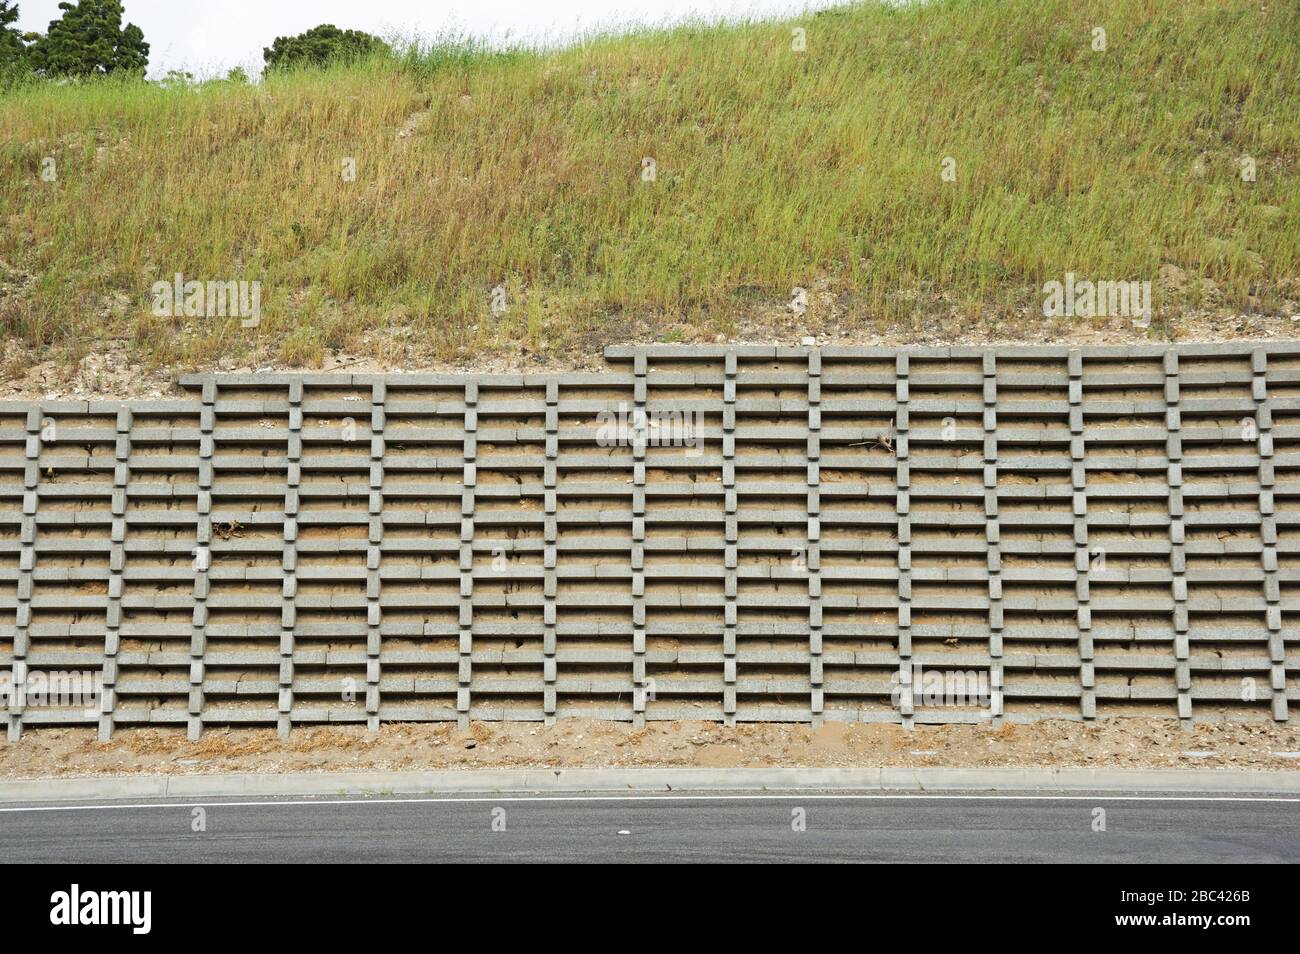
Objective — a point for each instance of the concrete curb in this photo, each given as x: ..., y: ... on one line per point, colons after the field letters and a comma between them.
x: 528, y: 781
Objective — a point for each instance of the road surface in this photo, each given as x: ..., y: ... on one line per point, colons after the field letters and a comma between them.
x: 870, y: 827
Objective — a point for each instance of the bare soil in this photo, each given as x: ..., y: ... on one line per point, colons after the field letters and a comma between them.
x: 115, y: 370
x: 1130, y: 742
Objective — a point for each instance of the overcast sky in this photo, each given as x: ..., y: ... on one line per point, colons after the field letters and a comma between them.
x: 208, y: 37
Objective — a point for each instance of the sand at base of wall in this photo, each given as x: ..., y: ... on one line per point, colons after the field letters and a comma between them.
x: 1132, y: 742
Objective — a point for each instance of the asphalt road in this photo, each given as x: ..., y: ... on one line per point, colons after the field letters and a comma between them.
x: 684, y: 828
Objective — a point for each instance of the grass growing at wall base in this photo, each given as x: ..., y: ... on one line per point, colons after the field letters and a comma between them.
x: 773, y: 169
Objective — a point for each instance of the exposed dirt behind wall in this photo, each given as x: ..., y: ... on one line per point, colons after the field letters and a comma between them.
x: 115, y: 370
x: 1108, y: 743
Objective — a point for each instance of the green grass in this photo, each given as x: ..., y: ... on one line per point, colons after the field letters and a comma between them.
x: 774, y: 169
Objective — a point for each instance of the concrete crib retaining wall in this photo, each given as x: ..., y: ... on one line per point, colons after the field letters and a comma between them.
x: 1075, y: 533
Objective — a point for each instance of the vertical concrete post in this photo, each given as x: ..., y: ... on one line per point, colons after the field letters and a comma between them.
x: 550, y: 479
x: 116, y: 563
x: 36, y: 436
x: 1268, y: 533
x: 813, y: 555
x: 992, y: 535
x: 730, y: 556
x: 289, y: 559
x: 202, y: 556
x: 374, y: 553
x: 639, y: 435
x: 1177, y: 538
x: 468, y: 482
x: 1082, y: 555
x: 902, y: 481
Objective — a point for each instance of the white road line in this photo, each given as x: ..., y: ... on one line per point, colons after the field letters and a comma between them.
x: 479, y: 799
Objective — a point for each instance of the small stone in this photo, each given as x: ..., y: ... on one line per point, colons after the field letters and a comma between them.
x: 471, y: 744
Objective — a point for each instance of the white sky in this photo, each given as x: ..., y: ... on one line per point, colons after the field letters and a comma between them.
x: 208, y: 37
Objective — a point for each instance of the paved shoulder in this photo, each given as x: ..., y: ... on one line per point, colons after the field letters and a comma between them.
x: 767, y: 827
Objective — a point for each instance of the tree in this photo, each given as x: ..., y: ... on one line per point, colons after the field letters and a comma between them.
x: 320, y: 46
x: 12, y: 48
x: 178, y: 79
x: 90, y: 39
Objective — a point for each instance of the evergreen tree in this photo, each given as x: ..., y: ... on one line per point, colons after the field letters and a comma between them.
x: 89, y: 38
x: 319, y: 46
x: 12, y: 48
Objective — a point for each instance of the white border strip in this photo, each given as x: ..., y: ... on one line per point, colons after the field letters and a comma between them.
x: 739, y: 797
x: 652, y: 780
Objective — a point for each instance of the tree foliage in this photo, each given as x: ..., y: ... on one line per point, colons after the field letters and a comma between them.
x: 320, y: 46
x: 89, y: 38
x: 12, y: 48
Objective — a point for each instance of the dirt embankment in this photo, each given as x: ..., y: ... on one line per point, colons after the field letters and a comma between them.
x: 116, y: 369
x: 1109, y: 743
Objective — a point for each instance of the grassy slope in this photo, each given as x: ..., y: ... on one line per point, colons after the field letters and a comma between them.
x: 774, y: 169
